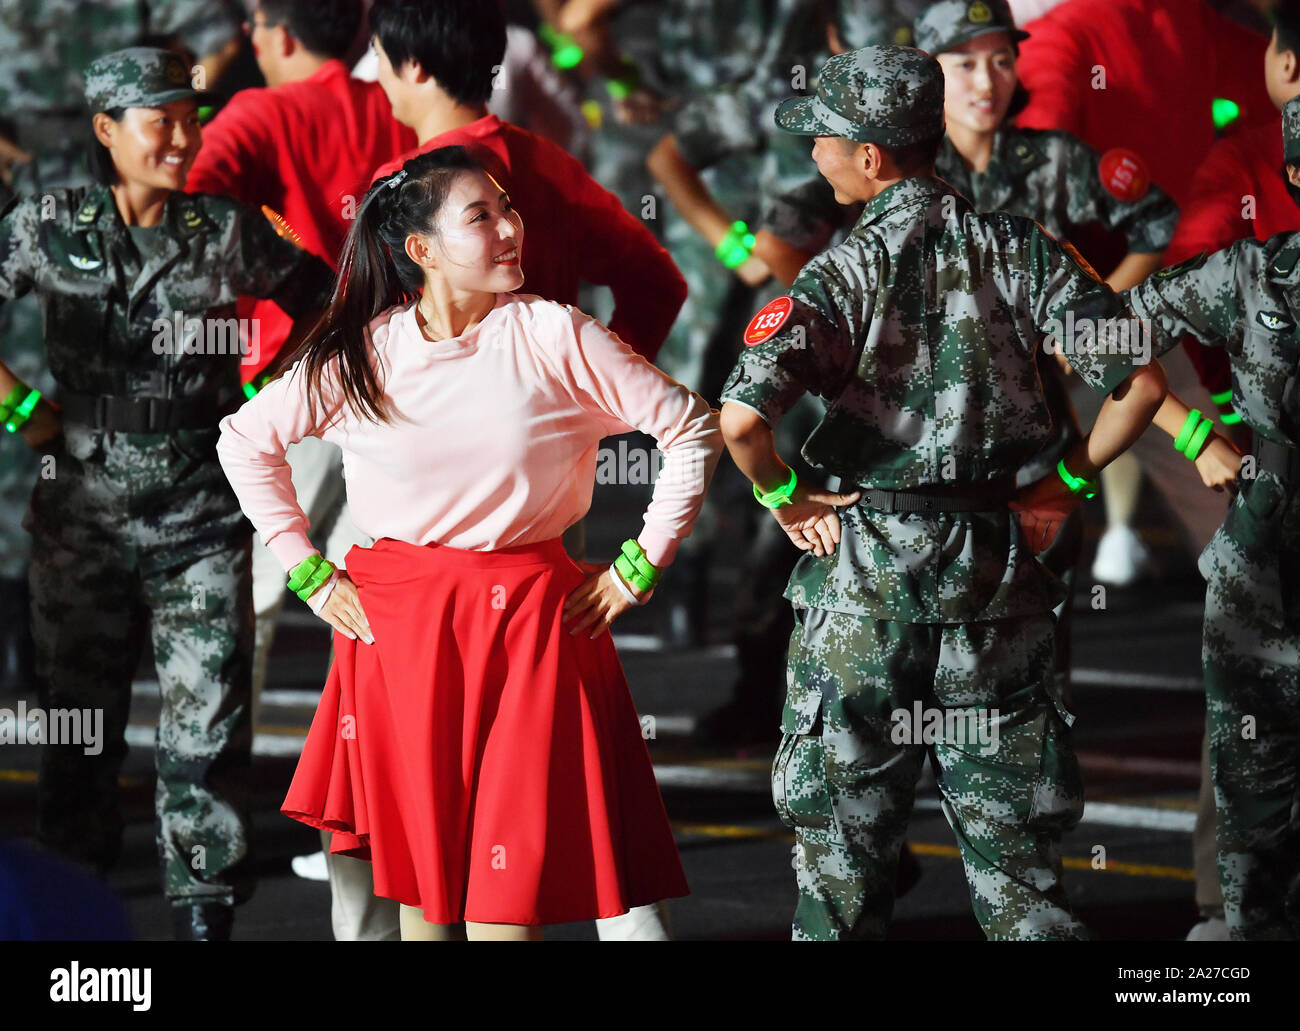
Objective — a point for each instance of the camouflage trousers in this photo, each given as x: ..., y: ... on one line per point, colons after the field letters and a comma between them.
x: 845, y: 774
x: 90, y: 614
x: 1252, y: 683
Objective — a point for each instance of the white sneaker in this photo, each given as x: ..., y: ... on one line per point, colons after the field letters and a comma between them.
x: 1121, y: 559
x: 1212, y: 929
x: 311, y: 867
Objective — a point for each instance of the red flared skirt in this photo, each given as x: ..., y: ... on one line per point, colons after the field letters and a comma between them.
x: 489, y: 764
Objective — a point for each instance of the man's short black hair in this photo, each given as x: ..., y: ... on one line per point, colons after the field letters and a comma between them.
x: 1286, y: 17
x: 325, y: 27
x: 461, y: 43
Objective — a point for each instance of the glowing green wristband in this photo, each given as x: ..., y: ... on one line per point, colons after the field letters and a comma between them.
x: 734, y: 249
x: 627, y: 83
x: 565, y: 53
x: 23, y: 412
x: 1223, y: 397
x: 1189, y: 427
x: 780, y: 496
x: 1227, y: 415
x: 309, y: 574
x: 1077, y: 484
x: 1194, y: 446
x: 635, y: 568
x: 1229, y: 418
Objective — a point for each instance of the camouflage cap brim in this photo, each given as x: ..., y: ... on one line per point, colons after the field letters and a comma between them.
x: 809, y: 116
x: 158, y: 99
x: 1016, y: 36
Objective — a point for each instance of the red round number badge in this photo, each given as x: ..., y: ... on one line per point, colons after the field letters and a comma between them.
x: 771, y: 318
x: 1124, y: 174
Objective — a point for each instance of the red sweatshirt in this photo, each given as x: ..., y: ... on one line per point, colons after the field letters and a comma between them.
x: 303, y: 149
x: 576, y: 231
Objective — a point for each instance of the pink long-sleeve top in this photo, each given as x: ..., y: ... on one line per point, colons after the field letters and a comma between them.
x: 494, y: 437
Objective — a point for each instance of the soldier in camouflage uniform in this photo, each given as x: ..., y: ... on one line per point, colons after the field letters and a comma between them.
x: 1052, y: 177
x: 1246, y: 299
x: 132, y: 520
x: 43, y: 48
x: 919, y: 332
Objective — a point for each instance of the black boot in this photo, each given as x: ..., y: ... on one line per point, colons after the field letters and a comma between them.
x: 202, y: 921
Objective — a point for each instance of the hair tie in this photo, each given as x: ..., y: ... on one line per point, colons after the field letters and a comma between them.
x: 396, y: 179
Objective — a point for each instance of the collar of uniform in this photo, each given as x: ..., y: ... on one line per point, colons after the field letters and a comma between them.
x: 331, y: 69
x: 1285, y: 266
x: 917, y: 190
x: 1016, y: 152
x: 97, y: 210
x: 182, y: 212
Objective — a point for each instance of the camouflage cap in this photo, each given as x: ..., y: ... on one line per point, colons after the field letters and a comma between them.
x: 950, y: 23
x: 888, y: 95
x: 138, y: 77
x: 1291, y: 130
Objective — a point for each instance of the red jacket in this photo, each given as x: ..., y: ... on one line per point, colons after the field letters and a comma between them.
x: 302, y: 149
x: 1247, y: 164
x: 1164, y: 62
x: 574, y: 231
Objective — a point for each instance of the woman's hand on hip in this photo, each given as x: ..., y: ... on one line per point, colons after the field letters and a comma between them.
x: 343, y: 610
x: 597, y: 601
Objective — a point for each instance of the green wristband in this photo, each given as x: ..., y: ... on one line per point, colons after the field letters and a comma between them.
x: 780, y: 496
x: 1229, y: 418
x: 565, y: 53
x: 623, y: 86
x: 1194, y: 446
x: 23, y: 412
x: 635, y: 568
x: 1223, y: 397
x: 734, y: 249
x: 303, y: 571
x: 16, y: 396
x: 1077, y: 484
x: 323, y: 572
x: 1189, y: 427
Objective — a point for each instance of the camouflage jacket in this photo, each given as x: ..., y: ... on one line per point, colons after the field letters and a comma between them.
x: 920, y: 332
x: 1246, y: 299
x: 111, y: 327
x: 1055, y: 179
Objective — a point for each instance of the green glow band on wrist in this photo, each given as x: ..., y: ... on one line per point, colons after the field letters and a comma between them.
x: 636, y: 555
x: 1194, y: 446
x: 1229, y: 418
x: 323, y: 572
x: 250, y: 391
x: 635, y: 568
x: 302, y: 572
x: 565, y: 53
x: 16, y: 396
x: 1223, y: 397
x: 780, y: 496
x: 1077, y: 484
x: 23, y: 412
x: 622, y: 87
x: 734, y: 249
x: 1189, y: 427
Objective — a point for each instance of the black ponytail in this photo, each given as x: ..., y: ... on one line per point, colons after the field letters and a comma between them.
x: 375, y: 273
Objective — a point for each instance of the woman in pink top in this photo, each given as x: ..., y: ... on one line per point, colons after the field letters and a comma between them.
x: 476, y: 739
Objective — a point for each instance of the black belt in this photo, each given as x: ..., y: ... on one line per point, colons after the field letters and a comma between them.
x: 1278, y: 459
x: 981, y: 498
x: 142, y: 414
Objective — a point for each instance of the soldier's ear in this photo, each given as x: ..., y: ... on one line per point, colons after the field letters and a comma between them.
x: 104, y: 127
x: 1293, y: 174
x: 870, y: 160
